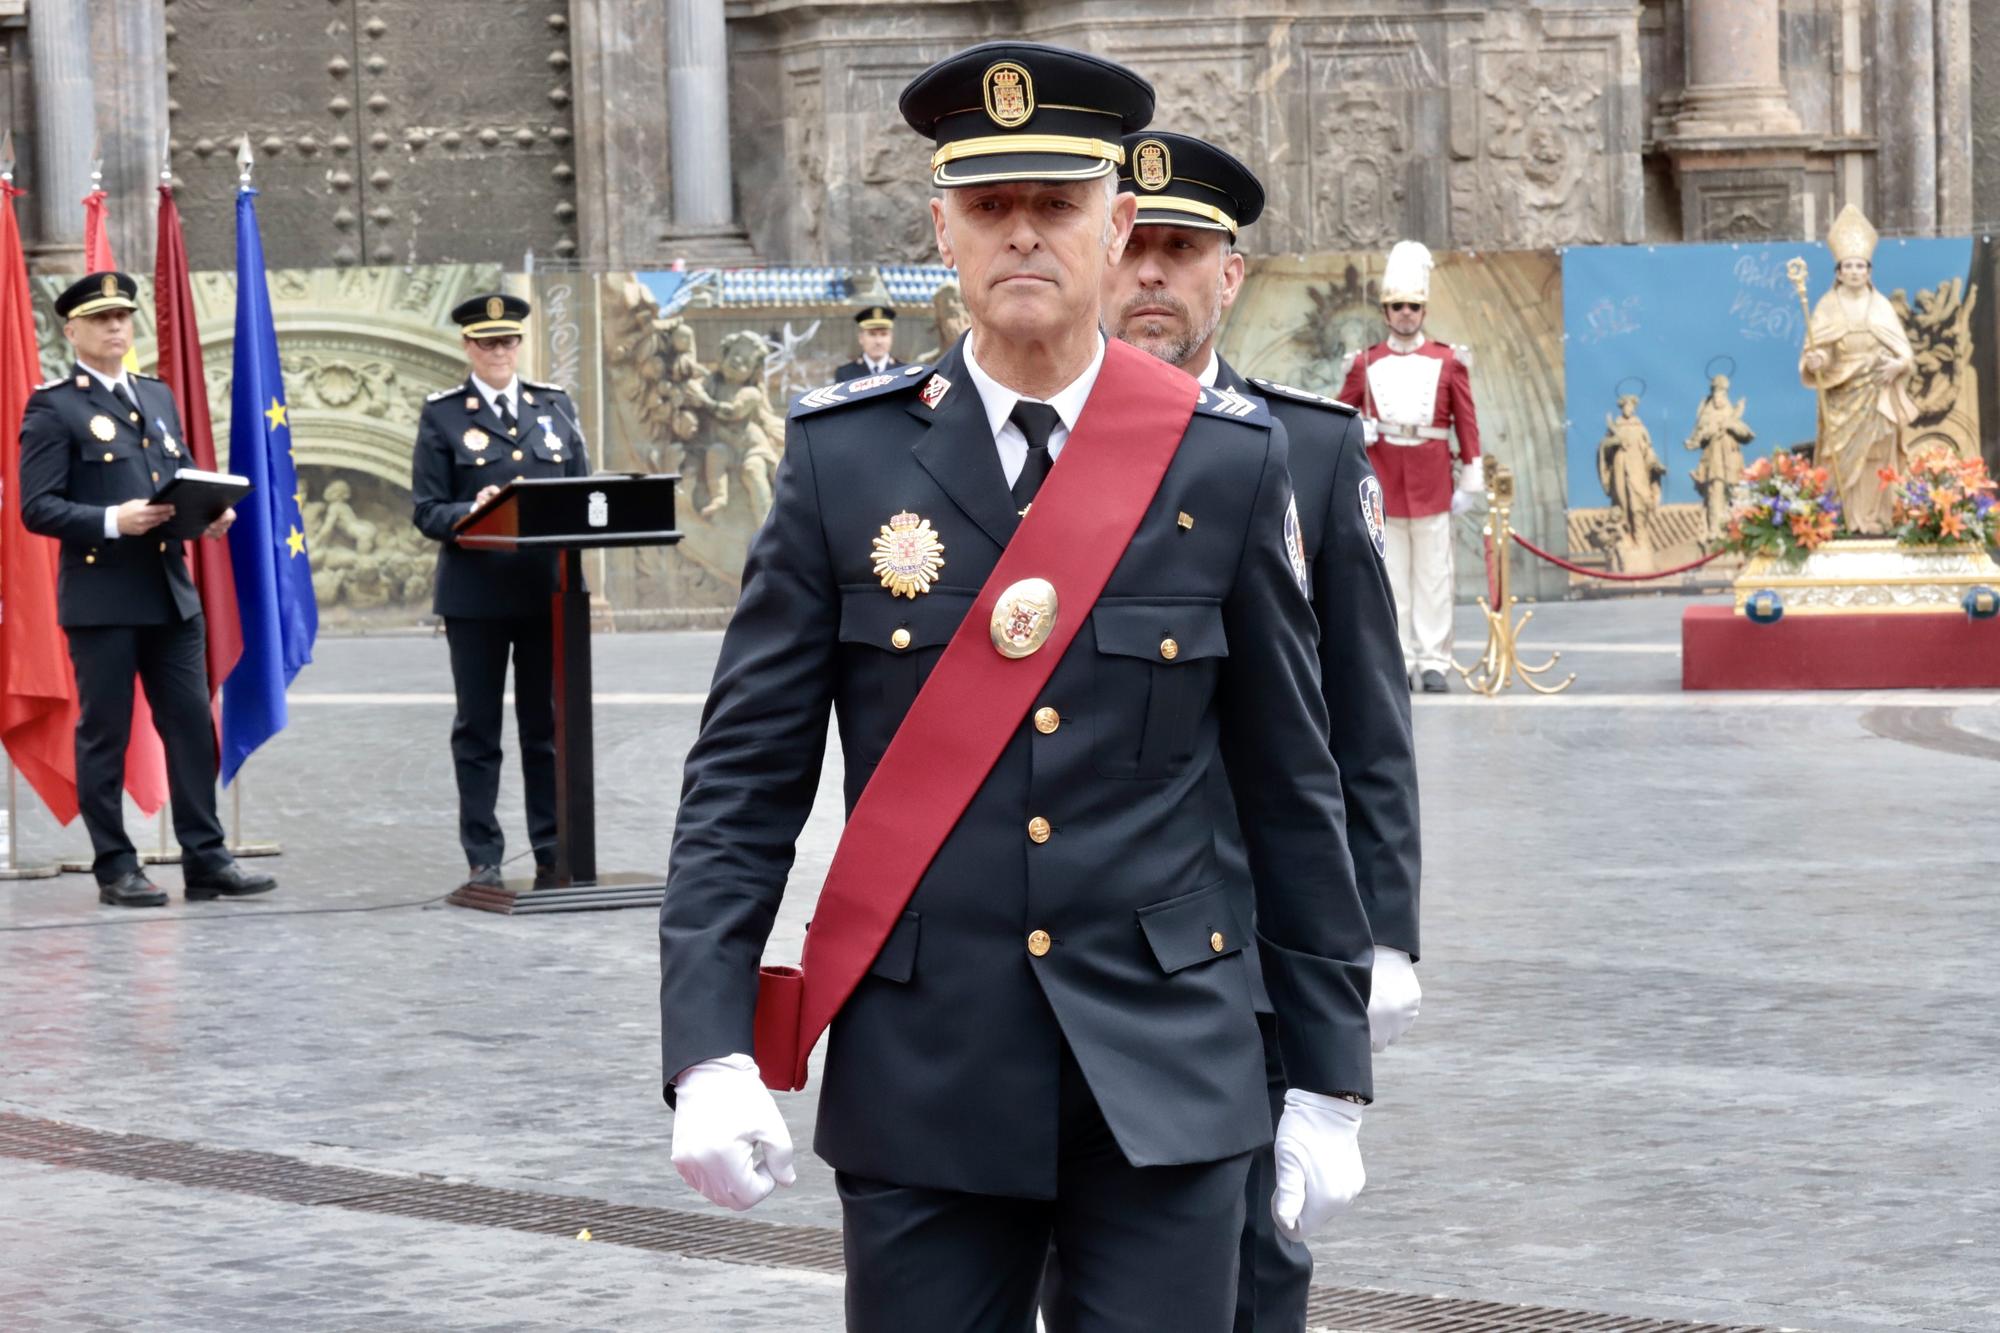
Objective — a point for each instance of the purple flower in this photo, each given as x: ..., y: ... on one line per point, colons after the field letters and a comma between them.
x: 1981, y: 504
x: 1829, y: 505
x: 1779, y: 505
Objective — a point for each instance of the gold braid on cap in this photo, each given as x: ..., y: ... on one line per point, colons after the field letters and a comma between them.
x: 1149, y: 202
x: 990, y: 145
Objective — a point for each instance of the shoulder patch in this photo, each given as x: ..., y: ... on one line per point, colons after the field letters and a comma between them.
x: 839, y: 393
x: 1373, y: 516
x: 443, y: 394
x: 1286, y: 391
x: 1233, y: 406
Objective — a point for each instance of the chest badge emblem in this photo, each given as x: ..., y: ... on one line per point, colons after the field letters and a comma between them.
x: 1023, y: 618
x: 476, y: 439
x: 908, y: 555
x: 104, y: 428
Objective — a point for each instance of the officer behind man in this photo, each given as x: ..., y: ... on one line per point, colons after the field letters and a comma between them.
x: 472, y: 439
x: 875, y: 330
x: 1179, y: 274
x: 96, y: 445
x: 1057, y: 1041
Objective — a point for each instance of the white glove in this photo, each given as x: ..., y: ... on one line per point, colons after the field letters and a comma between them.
x: 1393, y: 997
x: 723, y: 1114
x: 1471, y: 486
x: 1319, y: 1162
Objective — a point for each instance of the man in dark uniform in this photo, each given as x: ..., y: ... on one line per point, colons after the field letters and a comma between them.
x: 472, y: 439
x: 1179, y: 273
x: 875, y: 330
x: 1057, y: 1040
x: 96, y: 445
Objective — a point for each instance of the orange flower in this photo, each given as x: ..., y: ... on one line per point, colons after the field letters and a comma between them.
x: 1951, y: 525
x: 1887, y: 476
x: 1820, y: 477
x: 1758, y: 471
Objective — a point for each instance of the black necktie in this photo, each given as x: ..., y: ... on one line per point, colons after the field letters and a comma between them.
x: 505, y: 411
x: 125, y: 395
x: 1036, y: 420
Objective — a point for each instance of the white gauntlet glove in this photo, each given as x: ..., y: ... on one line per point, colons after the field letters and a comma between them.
x: 1393, y: 997
x: 1471, y: 486
x: 723, y: 1115
x: 1319, y: 1161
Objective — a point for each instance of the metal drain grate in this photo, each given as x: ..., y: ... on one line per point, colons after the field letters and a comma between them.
x: 692, y: 1235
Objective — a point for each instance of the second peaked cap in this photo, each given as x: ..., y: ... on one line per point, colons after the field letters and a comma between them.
x: 1182, y: 181
x: 1022, y: 111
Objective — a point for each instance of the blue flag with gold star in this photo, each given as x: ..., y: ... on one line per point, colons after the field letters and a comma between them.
x: 267, y: 544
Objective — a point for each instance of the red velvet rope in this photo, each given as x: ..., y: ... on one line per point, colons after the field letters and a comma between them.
x: 1561, y: 563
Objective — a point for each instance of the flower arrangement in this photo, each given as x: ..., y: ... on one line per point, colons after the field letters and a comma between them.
x: 1784, y: 507
x: 1943, y: 500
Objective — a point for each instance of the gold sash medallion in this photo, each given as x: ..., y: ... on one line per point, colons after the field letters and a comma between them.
x: 1024, y: 617
x: 104, y: 428
x: 476, y: 439
x: 908, y: 555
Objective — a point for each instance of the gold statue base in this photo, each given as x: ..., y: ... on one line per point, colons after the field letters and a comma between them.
x: 1871, y: 576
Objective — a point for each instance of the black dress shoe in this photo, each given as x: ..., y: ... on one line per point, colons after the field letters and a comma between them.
x: 1434, y: 683
x: 132, y: 889
x: 229, y: 881
x: 483, y: 877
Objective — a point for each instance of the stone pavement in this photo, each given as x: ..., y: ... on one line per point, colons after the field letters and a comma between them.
x: 1707, y: 1029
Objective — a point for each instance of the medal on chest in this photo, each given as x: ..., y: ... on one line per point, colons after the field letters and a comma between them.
x: 908, y: 555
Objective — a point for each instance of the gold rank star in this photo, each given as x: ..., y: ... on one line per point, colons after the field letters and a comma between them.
x: 296, y: 540
x: 276, y: 414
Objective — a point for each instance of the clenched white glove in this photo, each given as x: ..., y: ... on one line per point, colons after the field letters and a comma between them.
x: 1393, y: 997
x: 1319, y: 1162
x: 1471, y: 486
x: 723, y: 1116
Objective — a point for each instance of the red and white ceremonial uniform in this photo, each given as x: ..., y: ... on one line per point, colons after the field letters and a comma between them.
x: 1414, y: 396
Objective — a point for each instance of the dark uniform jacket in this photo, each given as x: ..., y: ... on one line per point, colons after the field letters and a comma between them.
x: 82, y: 451
x: 857, y: 368
x: 1360, y: 656
x: 461, y: 450
x: 943, y: 1066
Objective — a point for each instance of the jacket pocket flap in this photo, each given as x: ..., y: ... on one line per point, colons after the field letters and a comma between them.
x: 898, y: 959
x: 1142, y: 629
x: 872, y: 616
x: 1192, y: 928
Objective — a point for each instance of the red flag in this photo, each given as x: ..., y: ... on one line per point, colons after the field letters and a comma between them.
x: 37, y: 685
x: 145, y: 757
x: 180, y: 367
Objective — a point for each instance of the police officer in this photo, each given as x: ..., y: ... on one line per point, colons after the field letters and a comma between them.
x: 1179, y: 274
x: 473, y: 439
x: 1057, y: 1040
x: 875, y: 330
x: 96, y: 445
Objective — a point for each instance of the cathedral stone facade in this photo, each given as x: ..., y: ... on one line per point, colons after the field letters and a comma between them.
x: 629, y: 133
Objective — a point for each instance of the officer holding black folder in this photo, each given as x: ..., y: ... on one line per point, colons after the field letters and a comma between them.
x: 96, y: 446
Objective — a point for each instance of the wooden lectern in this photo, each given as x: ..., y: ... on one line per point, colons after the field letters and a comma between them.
x: 572, y: 515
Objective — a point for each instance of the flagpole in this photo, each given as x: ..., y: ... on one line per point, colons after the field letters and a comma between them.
x: 14, y: 869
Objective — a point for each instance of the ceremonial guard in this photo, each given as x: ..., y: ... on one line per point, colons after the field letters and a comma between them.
x: 1046, y: 585
x: 473, y: 439
x: 96, y: 446
x: 1167, y: 296
x: 1415, y: 395
x: 875, y: 330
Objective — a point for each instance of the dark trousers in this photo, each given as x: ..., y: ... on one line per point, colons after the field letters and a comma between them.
x: 1273, y: 1274
x: 1145, y: 1249
x: 171, y: 661
x: 479, y: 652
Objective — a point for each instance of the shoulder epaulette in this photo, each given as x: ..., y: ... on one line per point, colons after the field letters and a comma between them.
x: 1233, y: 406
x: 50, y: 384
x: 142, y: 375
x: 547, y: 388
x: 853, y: 391
x: 1277, y: 390
x: 443, y: 394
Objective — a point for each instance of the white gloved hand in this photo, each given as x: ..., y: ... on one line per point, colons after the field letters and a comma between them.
x: 1393, y: 997
x: 1319, y: 1161
x: 1471, y: 486
x: 723, y: 1115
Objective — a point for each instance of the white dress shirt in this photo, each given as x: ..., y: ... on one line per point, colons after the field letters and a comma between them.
x: 876, y: 367
x: 999, y: 401
x: 1208, y: 372
x: 489, y: 393
x: 114, y: 383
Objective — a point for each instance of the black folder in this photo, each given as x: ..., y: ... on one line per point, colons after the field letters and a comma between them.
x: 198, y: 499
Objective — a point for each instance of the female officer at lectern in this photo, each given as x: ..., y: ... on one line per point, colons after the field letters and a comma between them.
x: 473, y: 439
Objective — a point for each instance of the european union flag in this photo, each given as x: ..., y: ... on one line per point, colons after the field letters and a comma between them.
x: 267, y: 544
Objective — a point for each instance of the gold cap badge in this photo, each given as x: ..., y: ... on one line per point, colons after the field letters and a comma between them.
x: 1010, y: 94
x: 1023, y: 618
x: 110, y: 284
x: 908, y: 555
x: 495, y: 307
x: 1152, y: 165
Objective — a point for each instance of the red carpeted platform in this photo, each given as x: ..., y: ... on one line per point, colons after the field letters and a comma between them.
x: 1721, y: 650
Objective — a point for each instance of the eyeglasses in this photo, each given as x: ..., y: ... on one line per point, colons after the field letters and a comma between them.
x: 504, y: 343
x: 1398, y: 307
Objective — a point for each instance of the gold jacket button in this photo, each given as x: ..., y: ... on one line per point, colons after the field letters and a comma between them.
x: 1169, y: 649
x: 900, y: 640
x: 163, y: 546
x: 1047, y: 720
x: 1215, y: 941
x: 90, y: 560
x: 518, y: 455
x: 1039, y: 829
x: 107, y: 458
x: 1038, y: 942
x: 156, y: 476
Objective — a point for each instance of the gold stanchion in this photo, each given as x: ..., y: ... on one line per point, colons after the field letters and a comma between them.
x: 14, y: 869
x: 1500, y: 665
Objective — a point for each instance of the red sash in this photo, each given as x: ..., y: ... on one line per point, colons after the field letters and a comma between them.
x: 1082, y: 520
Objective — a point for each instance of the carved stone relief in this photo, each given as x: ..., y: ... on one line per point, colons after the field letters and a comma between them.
x: 1539, y: 180
x: 1359, y: 129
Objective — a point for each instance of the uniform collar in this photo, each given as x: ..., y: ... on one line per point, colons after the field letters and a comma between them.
x: 999, y: 400
x: 1398, y: 343
x: 489, y: 393
x: 1208, y: 373
x: 111, y: 382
